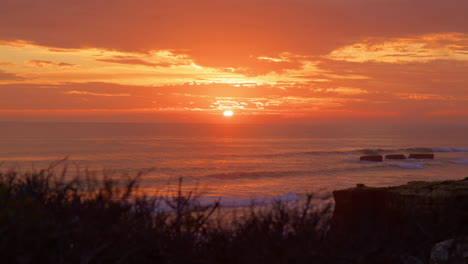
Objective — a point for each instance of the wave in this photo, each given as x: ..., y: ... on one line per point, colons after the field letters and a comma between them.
x: 410, y: 166
x: 235, y: 201
x: 461, y: 161
x: 450, y: 149
x: 348, y: 165
x: 403, y: 165
x: 241, y: 202
x: 370, y: 151
x: 255, y: 174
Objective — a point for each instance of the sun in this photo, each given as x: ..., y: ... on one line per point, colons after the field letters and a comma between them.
x: 228, y: 113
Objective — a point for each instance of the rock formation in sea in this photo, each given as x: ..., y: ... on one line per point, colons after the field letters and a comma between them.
x: 421, y: 156
x: 395, y: 156
x: 377, y: 158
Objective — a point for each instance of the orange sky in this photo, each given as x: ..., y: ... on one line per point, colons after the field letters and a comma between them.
x: 267, y: 61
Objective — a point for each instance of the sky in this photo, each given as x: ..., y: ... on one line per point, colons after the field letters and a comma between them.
x: 294, y: 61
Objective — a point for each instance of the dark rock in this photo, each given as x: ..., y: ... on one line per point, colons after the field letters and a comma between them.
x: 410, y: 260
x: 357, y: 210
x: 377, y: 158
x: 406, y: 219
x: 453, y: 251
x: 421, y: 156
x: 395, y: 156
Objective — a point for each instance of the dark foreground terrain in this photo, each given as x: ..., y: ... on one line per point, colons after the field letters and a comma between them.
x: 49, y: 218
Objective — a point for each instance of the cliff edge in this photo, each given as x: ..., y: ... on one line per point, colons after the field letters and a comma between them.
x: 408, y: 219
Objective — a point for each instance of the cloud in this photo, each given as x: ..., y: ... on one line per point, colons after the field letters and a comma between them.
x: 139, y: 62
x: 117, y: 66
x: 263, y: 66
x: 205, y: 102
x: 5, y: 76
x: 439, y: 77
x: 206, y: 97
x: 225, y: 33
x: 421, y: 48
x: 69, y: 96
x: 260, y: 99
x: 4, y: 63
x: 48, y: 63
x: 448, y: 113
x: 96, y: 94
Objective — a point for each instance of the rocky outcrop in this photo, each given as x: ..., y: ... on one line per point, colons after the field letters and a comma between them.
x: 408, y: 218
x: 395, y: 156
x: 421, y: 156
x: 377, y: 158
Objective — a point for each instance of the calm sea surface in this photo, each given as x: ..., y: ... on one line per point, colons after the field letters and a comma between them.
x: 239, y: 162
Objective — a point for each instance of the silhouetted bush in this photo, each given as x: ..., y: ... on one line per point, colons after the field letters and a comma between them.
x: 47, y: 217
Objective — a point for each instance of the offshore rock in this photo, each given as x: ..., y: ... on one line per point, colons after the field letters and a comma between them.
x: 406, y: 219
x: 421, y: 156
x: 395, y: 156
x: 377, y: 158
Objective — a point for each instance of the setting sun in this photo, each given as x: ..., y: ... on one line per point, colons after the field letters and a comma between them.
x: 228, y: 113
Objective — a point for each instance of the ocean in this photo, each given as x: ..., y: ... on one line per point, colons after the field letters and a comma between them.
x: 240, y: 162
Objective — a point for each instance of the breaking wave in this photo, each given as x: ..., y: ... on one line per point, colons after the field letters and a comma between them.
x: 254, y: 174
x: 411, y: 166
x: 240, y: 202
x: 237, y: 201
x: 371, y: 151
x: 461, y: 161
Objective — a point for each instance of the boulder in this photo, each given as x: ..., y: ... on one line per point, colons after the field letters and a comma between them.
x: 395, y: 156
x: 377, y: 158
x: 422, y: 156
x: 452, y: 251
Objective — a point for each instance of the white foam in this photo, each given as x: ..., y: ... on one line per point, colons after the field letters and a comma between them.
x: 461, y: 149
x: 240, y: 202
x: 233, y: 201
x: 462, y: 161
x: 450, y: 149
x: 411, y: 166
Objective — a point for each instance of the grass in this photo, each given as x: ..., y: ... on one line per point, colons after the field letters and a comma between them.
x: 47, y: 217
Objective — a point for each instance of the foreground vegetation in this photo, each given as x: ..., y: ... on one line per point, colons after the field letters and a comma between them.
x: 47, y: 218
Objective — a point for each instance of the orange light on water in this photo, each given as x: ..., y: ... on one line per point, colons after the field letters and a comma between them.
x: 228, y: 113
